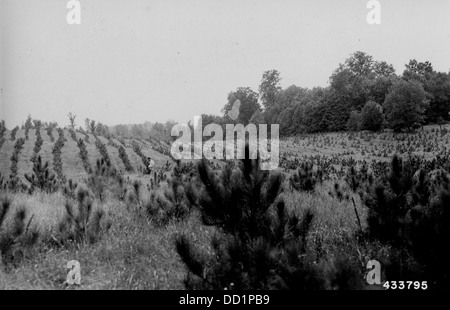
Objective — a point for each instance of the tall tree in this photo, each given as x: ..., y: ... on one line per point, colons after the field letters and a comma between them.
x: 420, y: 68
x: 371, y: 116
x: 257, y: 118
x: 246, y: 101
x: 437, y: 86
x: 405, y: 105
x: 269, y: 88
x: 359, y: 64
x: 383, y: 69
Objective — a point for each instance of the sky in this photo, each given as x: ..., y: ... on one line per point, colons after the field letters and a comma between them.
x: 131, y: 61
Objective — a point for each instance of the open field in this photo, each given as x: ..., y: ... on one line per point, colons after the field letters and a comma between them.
x: 135, y: 245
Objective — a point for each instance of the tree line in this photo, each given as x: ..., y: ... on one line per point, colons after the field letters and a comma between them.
x: 363, y: 94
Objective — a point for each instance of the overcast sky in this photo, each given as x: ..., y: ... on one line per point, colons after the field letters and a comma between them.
x: 134, y: 60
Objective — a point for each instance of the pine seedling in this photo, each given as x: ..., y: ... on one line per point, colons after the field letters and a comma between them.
x: 41, y: 178
x: 258, y: 244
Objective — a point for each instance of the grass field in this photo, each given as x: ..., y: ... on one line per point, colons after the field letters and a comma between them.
x: 138, y: 253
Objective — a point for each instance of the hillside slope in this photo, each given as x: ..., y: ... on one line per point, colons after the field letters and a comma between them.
x: 72, y: 164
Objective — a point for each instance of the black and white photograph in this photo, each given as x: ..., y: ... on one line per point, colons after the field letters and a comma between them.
x: 236, y: 147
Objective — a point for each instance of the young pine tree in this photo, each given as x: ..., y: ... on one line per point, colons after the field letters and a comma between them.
x: 405, y: 214
x: 41, y: 178
x: 15, y: 239
x: 258, y: 244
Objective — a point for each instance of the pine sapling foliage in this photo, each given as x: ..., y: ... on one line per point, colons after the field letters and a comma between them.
x: 41, y: 178
x: 306, y: 178
x: 16, y: 239
x: 28, y: 126
x: 388, y: 204
x: 175, y: 203
x: 411, y: 214
x: 103, y: 175
x: 84, y: 154
x: 258, y: 244
x: 82, y: 223
x: 13, y: 133
x: 57, y: 161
